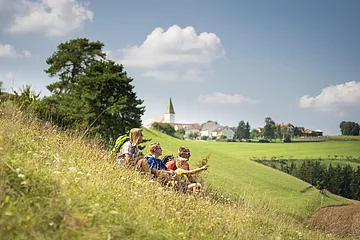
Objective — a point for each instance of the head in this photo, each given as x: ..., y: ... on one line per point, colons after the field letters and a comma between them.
x: 135, y: 136
x: 182, y: 163
x: 155, y: 149
x: 184, y: 152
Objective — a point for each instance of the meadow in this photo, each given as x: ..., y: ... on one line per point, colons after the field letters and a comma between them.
x: 233, y: 175
x: 55, y: 185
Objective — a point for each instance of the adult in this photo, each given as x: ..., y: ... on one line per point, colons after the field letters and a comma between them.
x: 130, y: 150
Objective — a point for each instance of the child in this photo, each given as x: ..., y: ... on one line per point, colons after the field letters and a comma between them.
x: 154, y: 161
x: 183, y: 153
x: 184, y: 174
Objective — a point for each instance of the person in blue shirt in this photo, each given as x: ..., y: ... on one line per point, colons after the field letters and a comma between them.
x: 156, y: 165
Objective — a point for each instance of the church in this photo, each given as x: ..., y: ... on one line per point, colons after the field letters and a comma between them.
x: 169, y: 117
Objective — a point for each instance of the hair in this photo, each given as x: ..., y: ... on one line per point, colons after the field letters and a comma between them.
x: 183, y: 149
x: 134, y: 136
x: 181, y: 162
x: 153, y: 146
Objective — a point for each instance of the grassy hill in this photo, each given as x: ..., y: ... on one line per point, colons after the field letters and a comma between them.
x: 233, y: 175
x: 57, y: 186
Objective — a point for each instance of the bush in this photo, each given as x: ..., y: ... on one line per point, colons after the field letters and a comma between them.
x: 263, y: 141
x: 287, y: 139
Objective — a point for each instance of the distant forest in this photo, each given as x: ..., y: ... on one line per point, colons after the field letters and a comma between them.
x: 341, y: 180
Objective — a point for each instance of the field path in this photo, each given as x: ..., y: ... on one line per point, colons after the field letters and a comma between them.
x: 341, y: 220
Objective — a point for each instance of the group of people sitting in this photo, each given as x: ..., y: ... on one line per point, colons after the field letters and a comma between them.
x: 169, y: 170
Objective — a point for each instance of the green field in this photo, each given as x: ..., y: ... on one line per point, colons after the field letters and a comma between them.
x: 57, y: 186
x: 234, y: 175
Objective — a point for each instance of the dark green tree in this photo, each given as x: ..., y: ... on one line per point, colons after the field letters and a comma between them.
x: 247, y: 130
x: 163, y: 127
x: 347, y: 173
x: 70, y: 61
x: 355, y: 184
x: 240, y: 132
x: 349, y: 128
x: 269, y: 129
x: 94, y: 95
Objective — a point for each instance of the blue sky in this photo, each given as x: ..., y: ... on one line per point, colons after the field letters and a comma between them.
x: 227, y: 61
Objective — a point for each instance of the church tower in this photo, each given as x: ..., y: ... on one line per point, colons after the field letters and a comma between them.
x: 170, y: 113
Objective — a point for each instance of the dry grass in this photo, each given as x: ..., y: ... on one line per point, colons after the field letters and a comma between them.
x: 56, y: 186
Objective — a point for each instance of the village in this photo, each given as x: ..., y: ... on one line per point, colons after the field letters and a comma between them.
x: 214, y: 130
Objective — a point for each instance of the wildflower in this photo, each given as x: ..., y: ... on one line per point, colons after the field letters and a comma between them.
x: 80, y: 173
x: 51, y: 224
x: 71, y: 168
x: 88, y: 174
x: 138, y: 182
x: 56, y: 172
x: 8, y: 213
x: 18, y: 170
x: 21, y: 175
x: 24, y: 182
x: 135, y: 193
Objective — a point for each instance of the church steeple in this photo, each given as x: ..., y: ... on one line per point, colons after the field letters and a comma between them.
x: 170, y: 113
x: 170, y: 108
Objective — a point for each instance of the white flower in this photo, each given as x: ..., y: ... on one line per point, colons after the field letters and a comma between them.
x: 80, y: 173
x: 56, y: 172
x: 21, y: 175
x: 71, y: 168
x: 18, y: 170
x: 8, y: 213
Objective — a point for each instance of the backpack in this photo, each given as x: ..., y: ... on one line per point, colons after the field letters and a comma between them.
x: 119, y: 142
x: 169, y: 158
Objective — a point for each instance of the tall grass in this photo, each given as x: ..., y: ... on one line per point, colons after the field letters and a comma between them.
x: 56, y: 186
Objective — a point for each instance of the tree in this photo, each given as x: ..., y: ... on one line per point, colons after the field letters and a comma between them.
x: 349, y: 128
x: 163, y: 127
x: 94, y: 96
x: 70, y: 61
x: 240, y: 131
x: 247, y: 130
x: 254, y: 133
x: 269, y: 129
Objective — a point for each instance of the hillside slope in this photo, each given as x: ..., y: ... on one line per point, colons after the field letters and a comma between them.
x: 233, y: 175
x: 58, y: 186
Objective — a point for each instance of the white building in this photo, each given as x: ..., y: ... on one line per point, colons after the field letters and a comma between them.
x: 225, y: 131
x: 209, y: 129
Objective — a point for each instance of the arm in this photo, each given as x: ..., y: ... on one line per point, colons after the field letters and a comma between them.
x: 195, y: 170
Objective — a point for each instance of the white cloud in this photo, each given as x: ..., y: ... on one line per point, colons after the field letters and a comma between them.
x: 52, y: 17
x: 26, y: 53
x: 221, y: 98
x: 8, y: 51
x: 174, y: 46
x: 333, y: 98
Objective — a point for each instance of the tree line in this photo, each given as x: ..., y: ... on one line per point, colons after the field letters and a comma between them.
x: 349, y: 128
x: 340, y: 180
x: 93, y: 95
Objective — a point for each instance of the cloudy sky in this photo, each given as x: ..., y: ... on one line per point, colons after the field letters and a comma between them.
x: 227, y: 61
